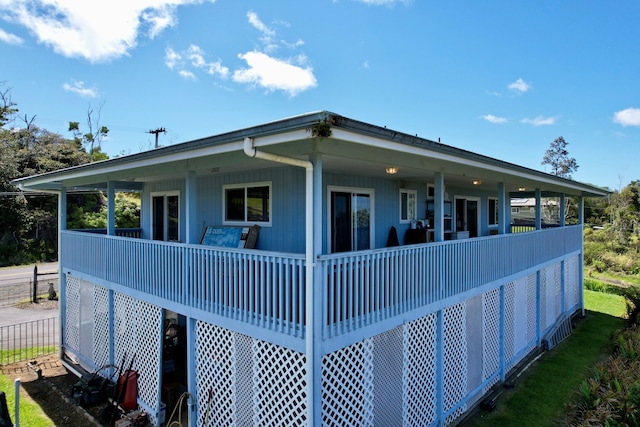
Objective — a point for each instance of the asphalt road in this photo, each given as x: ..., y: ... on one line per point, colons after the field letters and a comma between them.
x: 17, y: 324
x: 14, y: 275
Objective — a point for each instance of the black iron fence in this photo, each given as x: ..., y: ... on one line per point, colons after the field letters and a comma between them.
x: 28, y: 340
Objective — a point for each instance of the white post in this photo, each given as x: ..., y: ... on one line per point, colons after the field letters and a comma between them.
x: 17, y: 383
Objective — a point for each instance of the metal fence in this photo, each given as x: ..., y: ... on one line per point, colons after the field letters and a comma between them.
x: 28, y: 340
x: 16, y: 293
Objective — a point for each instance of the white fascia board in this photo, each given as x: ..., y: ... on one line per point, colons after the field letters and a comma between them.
x: 425, y: 152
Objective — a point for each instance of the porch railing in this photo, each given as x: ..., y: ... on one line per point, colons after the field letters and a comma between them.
x: 256, y: 287
x: 268, y: 289
x: 366, y: 287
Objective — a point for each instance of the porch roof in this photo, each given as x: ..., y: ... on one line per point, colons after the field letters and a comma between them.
x: 352, y: 146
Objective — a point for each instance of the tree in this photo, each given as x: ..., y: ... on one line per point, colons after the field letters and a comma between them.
x: 7, y: 107
x: 558, y: 158
x: 93, y: 139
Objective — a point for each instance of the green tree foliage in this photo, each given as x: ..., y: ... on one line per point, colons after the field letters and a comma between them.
x: 616, y: 245
x: 92, y: 140
x: 558, y: 158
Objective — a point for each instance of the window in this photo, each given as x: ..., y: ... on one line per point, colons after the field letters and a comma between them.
x: 247, y: 203
x: 351, y: 219
x: 165, y: 217
x: 493, y: 211
x: 515, y: 210
x: 408, y: 206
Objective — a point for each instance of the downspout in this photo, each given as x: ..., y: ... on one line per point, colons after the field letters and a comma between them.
x: 251, y: 151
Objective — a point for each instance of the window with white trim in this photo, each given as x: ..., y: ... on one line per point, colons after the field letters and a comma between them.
x: 408, y: 207
x: 247, y: 204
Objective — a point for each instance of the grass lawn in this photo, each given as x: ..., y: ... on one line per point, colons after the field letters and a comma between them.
x: 30, y: 413
x: 542, y: 391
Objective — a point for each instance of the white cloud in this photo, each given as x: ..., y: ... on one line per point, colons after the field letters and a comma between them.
x: 519, y: 86
x: 540, y: 121
x: 9, y: 38
x: 627, y: 117
x: 187, y: 75
x: 275, y: 74
x: 193, y: 57
x: 494, y: 119
x: 78, y: 88
x: 267, y: 33
x: 95, y: 30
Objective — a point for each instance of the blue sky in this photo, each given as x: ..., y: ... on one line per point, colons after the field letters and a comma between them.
x: 500, y: 78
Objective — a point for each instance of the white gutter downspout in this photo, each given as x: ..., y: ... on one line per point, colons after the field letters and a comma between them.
x: 309, y: 262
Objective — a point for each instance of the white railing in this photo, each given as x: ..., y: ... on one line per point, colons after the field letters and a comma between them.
x: 256, y: 287
x: 357, y: 289
x: 366, y: 287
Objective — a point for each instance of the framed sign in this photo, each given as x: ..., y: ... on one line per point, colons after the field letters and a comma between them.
x: 230, y: 237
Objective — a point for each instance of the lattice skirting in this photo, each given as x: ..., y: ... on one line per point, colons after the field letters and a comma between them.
x: 426, y: 371
x: 95, y: 336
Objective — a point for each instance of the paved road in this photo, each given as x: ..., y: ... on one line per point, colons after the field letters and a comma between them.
x: 13, y: 275
x: 35, y: 334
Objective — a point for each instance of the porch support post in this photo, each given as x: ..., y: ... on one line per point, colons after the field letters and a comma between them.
x: 314, y: 343
x: 502, y: 209
x: 501, y: 350
x: 191, y: 370
x: 438, y: 212
x: 190, y: 203
x: 538, y: 209
x: 440, y: 367
x: 111, y: 208
x: 538, y: 308
x: 62, y: 278
x: 581, y: 262
x: 562, y: 211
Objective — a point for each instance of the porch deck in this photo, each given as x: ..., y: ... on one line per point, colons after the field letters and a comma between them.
x: 266, y: 290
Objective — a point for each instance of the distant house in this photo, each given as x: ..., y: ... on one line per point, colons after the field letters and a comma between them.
x: 315, y: 270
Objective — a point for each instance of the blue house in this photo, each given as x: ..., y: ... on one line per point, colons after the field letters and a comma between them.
x: 315, y: 270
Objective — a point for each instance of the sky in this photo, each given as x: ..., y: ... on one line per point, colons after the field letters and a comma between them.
x: 500, y: 78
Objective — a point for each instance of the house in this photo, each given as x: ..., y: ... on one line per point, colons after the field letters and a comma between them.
x: 523, y: 211
x: 383, y: 286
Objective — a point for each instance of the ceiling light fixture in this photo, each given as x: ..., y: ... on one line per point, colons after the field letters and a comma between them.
x: 521, y: 188
x: 476, y: 182
x: 392, y: 170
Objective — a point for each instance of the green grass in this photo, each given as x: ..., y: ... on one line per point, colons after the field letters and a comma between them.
x: 30, y: 413
x: 542, y: 391
x: 18, y: 355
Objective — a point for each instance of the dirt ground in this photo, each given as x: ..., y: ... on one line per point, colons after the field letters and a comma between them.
x: 51, y: 390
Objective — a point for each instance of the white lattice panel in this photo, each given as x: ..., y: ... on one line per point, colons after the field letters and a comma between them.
x: 509, y: 327
x: 543, y: 299
x: 548, y: 295
x: 280, y: 386
x: 101, y: 327
x: 419, y: 372
x: 532, y: 284
x: 72, y: 314
x: 215, y: 376
x: 571, y: 282
x: 455, y: 358
x: 149, y: 349
x: 124, y: 324
x: 490, y: 336
x: 347, y: 386
x: 387, y: 378
x: 557, y: 275
x: 242, y: 381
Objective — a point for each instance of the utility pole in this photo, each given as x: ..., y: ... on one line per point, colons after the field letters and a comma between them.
x: 156, y: 132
